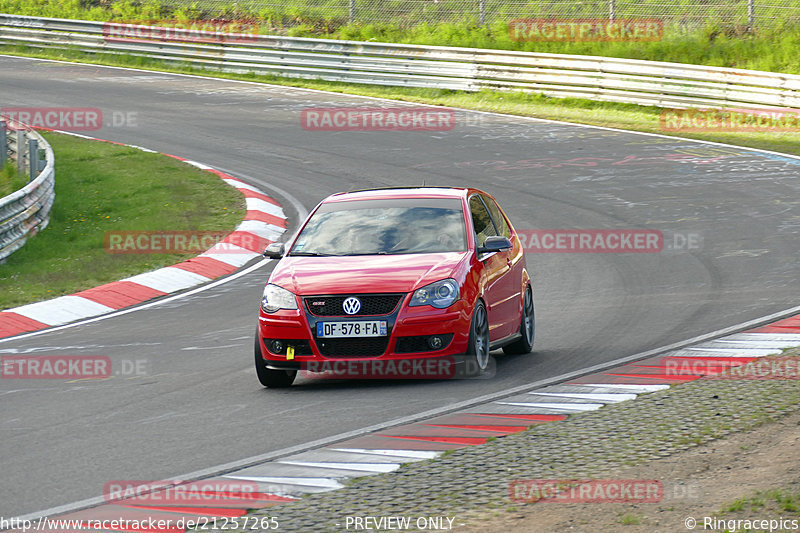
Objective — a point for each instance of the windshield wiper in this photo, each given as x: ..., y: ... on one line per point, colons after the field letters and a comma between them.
x: 365, y: 253
x: 310, y: 254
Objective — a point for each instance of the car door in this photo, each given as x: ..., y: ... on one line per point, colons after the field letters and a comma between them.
x: 510, y: 286
x: 496, y: 267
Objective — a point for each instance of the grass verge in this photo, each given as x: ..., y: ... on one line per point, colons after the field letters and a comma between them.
x: 102, y: 187
x: 606, y: 114
x: 774, y: 502
x: 10, y: 180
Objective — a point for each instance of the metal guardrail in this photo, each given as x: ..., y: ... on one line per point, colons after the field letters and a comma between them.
x: 468, y: 69
x: 26, y: 211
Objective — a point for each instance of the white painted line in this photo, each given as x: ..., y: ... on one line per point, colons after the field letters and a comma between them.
x: 242, y: 185
x: 722, y: 352
x: 788, y: 337
x: 631, y: 388
x: 201, y: 166
x: 61, y: 310
x: 230, y: 254
x: 262, y: 229
x: 598, y: 396
x: 79, y: 135
x: 712, y: 354
x: 319, y: 482
x: 257, y: 204
x: 407, y: 454
x: 143, y: 149
x: 557, y: 406
x: 755, y: 343
x: 361, y: 467
x: 168, y: 279
x: 326, y: 455
x: 723, y: 344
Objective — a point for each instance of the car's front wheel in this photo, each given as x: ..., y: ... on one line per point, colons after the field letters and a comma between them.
x: 477, y: 356
x: 527, y: 327
x: 274, y: 379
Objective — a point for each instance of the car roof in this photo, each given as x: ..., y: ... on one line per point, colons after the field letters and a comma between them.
x: 399, y: 192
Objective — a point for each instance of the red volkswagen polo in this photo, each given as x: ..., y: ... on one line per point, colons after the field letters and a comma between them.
x: 391, y: 277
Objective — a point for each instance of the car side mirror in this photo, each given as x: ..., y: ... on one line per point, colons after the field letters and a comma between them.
x: 274, y: 250
x: 495, y: 244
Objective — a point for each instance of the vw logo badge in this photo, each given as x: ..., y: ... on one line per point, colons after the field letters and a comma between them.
x: 351, y: 305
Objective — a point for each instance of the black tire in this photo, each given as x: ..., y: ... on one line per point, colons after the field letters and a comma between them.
x: 527, y: 327
x: 273, y: 379
x: 477, y: 357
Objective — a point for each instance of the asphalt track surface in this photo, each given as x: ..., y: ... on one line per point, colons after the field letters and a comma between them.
x: 200, y: 404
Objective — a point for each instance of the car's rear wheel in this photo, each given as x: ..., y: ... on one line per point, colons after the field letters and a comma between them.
x: 527, y: 327
x: 274, y: 379
x: 477, y: 356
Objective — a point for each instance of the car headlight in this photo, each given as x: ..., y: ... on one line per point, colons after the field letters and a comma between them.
x: 275, y: 298
x: 441, y: 294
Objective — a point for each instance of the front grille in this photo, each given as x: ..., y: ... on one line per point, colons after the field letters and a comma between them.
x: 371, y: 304
x: 361, y: 347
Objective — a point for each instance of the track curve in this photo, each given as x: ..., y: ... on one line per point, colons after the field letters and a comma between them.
x: 199, y: 403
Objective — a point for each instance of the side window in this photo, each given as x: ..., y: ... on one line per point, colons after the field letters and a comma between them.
x: 481, y: 220
x: 497, y: 215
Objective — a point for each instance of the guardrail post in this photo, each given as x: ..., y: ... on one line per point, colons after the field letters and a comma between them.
x: 3, y: 144
x: 482, y: 12
x: 20, y: 149
x: 352, y: 11
x: 33, y: 159
x: 612, y: 9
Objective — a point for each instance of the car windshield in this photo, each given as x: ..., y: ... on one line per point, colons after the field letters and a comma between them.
x: 377, y: 227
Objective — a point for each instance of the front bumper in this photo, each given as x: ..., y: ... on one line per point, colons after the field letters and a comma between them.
x: 408, y: 328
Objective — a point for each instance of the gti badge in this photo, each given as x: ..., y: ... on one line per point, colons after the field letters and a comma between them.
x: 351, y: 305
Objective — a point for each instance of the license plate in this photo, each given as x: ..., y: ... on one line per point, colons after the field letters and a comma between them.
x: 362, y: 328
